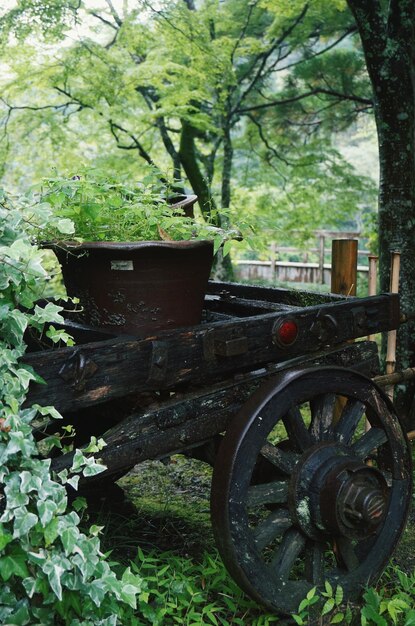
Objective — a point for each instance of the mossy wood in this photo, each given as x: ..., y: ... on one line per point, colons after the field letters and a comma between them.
x: 297, y: 497
x: 98, y: 371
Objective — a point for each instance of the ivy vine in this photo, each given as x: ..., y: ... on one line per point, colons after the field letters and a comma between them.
x: 52, y: 573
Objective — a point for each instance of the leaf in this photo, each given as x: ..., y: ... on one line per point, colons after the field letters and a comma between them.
x: 328, y: 606
x: 46, y: 509
x: 69, y: 537
x: 23, y: 522
x: 329, y: 588
x: 51, y: 532
x: 338, y: 597
x: 14, y: 565
x: 227, y: 247
x: 337, y: 619
x: 371, y: 613
x: 65, y: 226
x: 54, y: 573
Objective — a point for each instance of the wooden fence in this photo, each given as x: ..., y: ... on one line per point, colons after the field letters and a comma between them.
x: 276, y: 269
x: 287, y: 271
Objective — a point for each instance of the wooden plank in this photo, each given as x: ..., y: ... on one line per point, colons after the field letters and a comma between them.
x: 114, y: 368
x: 293, y: 297
x: 191, y: 419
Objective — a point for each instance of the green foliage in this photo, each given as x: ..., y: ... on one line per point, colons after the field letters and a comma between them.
x: 388, y: 604
x: 135, y: 88
x: 330, y: 607
x: 391, y: 604
x: 180, y: 591
x: 52, y: 573
x: 95, y: 207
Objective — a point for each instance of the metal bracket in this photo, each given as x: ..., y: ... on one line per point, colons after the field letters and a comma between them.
x: 216, y: 343
x: 158, y: 363
x: 77, y: 370
x: 360, y: 320
x: 324, y: 327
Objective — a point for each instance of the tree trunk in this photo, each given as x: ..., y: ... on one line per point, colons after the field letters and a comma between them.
x: 389, y: 43
x: 188, y: 158
x: 222, y: 268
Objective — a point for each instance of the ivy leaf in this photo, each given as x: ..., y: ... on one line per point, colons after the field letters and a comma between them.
x: 14, y: 565
x: 46, y: 509
x: 54, y: 573
x: 69, y: 537
x: 23, y: 522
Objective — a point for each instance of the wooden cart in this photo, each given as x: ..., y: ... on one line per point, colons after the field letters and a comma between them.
x: 271, y: 390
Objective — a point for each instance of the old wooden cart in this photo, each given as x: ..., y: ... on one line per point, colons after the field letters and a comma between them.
x: 302, y: 490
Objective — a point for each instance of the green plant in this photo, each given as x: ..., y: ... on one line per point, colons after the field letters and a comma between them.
x: 392, y: 604
x: 183, y: 592
x: 94, y: 207
x: 51, y: 572
x: 330, y: 607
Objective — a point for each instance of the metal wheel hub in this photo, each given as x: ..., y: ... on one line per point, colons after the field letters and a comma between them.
x: 333, y: 493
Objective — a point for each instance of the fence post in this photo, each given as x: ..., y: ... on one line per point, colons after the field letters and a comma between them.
x: 344, y: 266
x: 343, y: 281
x: 321, y: 257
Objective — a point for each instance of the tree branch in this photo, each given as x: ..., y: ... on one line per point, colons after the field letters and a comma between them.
x: 263, y: 58
x: 103, y: 20
x: 266, y: 143
x: 350, y: 31
x: 114, y: 13
x: 242, y: 34
x: 308, y: 94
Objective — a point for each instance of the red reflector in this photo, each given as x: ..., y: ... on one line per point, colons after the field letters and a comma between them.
x: 287, y: 332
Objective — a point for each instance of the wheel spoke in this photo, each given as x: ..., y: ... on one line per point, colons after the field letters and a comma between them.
x: 349, y: 419
x: 314, y: 563
x: 371, y: 440
x: 322, y: 408
x: 347, y: 553
x: 274, y: 525
x: 297, y: 430
x: 268, y: 493
x: 291, y: 546
x: 284, y: 460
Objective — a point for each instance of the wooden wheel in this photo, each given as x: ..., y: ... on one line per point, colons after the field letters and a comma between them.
x: 301, y: 493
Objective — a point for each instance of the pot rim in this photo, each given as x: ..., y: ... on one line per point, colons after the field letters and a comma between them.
x: 126, y: 245
x: 183, y: 201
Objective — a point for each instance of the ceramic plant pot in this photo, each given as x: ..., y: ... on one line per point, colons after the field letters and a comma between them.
x: 137, y: 288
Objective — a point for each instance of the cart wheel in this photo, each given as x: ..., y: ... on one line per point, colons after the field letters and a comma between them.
x: 301, y: 493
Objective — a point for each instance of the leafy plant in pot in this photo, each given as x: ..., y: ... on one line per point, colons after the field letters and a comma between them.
x: 137, y: 262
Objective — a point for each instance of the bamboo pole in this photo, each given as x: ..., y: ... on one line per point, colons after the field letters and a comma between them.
x: 321, y: 257
x: 344, y: 266
x: 395, y: 378
x: 273, y: 259
x: 372, y: 286
x: 391, y: 344
x: 343, y: 281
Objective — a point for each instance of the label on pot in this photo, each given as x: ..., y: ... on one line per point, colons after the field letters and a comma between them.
x: 122, y: 265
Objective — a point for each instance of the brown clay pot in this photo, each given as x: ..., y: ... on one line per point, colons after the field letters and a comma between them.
x: 137, y: 288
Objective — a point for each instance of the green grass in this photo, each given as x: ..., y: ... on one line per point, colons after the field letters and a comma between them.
x: 167, y: 538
